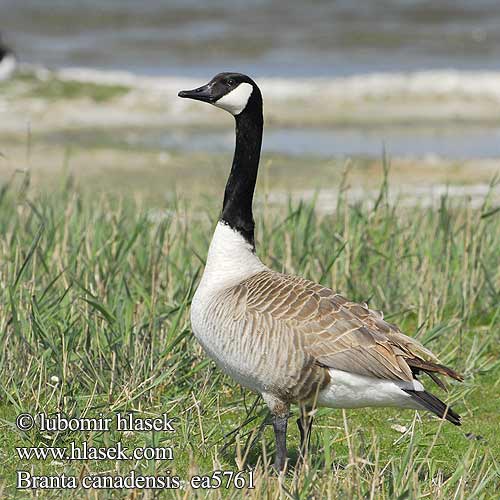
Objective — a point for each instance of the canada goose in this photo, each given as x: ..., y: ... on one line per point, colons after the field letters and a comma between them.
x: 8, y: 61
x: 287, y: 338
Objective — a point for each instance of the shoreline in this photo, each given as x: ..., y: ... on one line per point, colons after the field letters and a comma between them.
x: 444, y: 97
x: 123, y: 132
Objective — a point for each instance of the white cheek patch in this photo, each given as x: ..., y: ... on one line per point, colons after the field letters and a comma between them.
x: 236, y: 101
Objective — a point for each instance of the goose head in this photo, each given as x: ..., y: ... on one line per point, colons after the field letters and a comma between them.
x: 233, y: 92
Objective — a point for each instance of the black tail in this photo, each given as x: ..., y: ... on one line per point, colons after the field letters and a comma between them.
x: 435, y: 405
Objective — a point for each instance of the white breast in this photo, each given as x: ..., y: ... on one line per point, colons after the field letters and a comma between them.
x: 230, y: 260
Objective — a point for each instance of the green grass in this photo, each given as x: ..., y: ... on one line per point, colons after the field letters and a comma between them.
x: 28, y: 84
x: 96, y: 292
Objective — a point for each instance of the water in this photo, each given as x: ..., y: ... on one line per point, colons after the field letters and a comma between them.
x: 290, y: 41
x: 452, y: 143
x: 273, y: 38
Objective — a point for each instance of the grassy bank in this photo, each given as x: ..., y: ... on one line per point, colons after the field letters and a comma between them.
x: 94, y: 318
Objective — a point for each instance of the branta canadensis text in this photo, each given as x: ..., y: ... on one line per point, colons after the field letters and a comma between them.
x: 287, y: 338
x: 8, y: 62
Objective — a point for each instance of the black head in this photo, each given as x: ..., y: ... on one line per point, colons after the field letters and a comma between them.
x: 233, y: 92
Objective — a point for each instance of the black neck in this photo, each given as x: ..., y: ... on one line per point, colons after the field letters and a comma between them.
x: 238, y: 196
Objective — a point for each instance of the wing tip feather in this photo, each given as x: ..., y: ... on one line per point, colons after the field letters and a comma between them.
x: 433, y: 404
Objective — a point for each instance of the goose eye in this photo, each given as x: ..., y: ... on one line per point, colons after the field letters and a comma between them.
x: 230, y: 82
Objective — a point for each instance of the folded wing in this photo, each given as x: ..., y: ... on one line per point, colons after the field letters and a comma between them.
x: 337, y: 333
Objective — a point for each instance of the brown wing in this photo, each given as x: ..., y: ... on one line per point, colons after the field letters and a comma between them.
x: 338, y: 333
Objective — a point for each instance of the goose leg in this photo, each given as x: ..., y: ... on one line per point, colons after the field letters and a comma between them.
x: 280, y: 412
x: 279, y: 426
x: 304, y: 423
